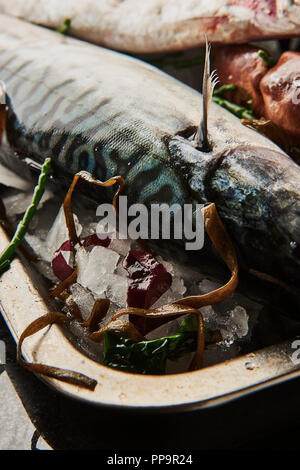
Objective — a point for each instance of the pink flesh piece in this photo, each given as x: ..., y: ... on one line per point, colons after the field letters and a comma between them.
x: 148, y: 279
x: 60, y: 266
x: 94, y: 240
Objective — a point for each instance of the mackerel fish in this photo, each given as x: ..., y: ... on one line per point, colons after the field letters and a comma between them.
x: 93, y: 109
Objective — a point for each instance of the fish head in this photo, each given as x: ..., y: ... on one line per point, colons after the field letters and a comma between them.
x: 256, y: 190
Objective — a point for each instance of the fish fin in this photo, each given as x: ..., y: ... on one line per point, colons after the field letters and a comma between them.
x: 209, y: 82
x: 2, y: 109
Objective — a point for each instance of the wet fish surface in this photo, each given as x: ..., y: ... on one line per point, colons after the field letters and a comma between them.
x: 92, y: 109
x: 163, y: 25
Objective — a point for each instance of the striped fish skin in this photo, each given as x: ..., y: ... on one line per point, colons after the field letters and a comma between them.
x: 93, y: 109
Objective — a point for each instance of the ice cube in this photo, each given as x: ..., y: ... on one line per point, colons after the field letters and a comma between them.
x: 167, y: 329
x: 16, y: 202
x: 168, y: 297
x: 209, y: 315
x: 94, y: 267
x: 117, y: 289
x: 120, y: 270
x: 83, y: 298
x: 120, y: 246
x: 178, y: 287
x: 238, y: 321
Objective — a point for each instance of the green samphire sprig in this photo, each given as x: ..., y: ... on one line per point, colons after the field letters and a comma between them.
x: 65, y: 27
x: 239, y: 111
x: 7, y: 255
x: 268, y: 59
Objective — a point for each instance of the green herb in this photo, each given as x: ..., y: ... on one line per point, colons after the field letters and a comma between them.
x: 269, y: 60
x: 150, y: 356
x: 239, y: 111
x: 65, y: 27
x: 7, y: 255
x: 222, y: 89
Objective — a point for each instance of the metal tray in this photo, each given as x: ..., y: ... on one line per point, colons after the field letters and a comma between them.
x: 22, y: 296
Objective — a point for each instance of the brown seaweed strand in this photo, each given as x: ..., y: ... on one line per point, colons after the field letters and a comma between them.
x: 99, y: 311
x: 64, y: 375
x: 167, y: 310
x: 67, y: 205
x: 221, y: 241
x: 64, y: 285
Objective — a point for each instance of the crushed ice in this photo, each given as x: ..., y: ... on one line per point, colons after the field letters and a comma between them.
x: 101, y: 274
